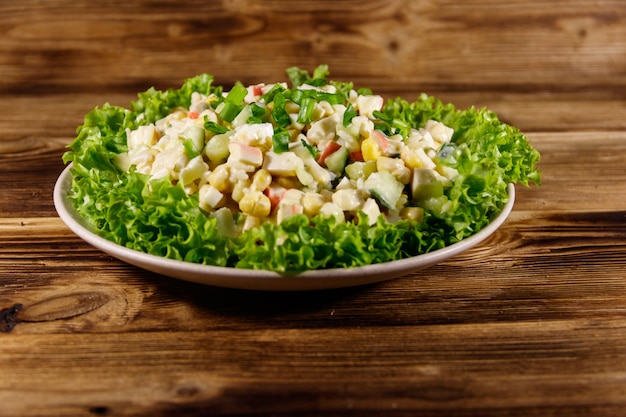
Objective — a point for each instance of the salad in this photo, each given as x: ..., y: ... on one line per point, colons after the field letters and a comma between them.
x: 289, y: 177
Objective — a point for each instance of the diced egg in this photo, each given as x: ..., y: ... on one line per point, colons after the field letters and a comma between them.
x: 368, y: 104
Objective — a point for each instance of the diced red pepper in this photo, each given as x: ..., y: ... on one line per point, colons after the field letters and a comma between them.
x: 193, y: 114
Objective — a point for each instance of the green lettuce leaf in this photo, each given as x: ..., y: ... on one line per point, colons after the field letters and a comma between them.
x: 159, y: 218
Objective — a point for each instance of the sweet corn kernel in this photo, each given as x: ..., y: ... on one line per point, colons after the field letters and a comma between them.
x: 403, y: 175
x: 261, y: 179
x: 255, y: 204
x: 412, y: 213
x: 288, y: 182
x: 240, y: 189
x: 370, y: 150
x: 219, y: 178
x: 312, y: 203
x: 331, y: 209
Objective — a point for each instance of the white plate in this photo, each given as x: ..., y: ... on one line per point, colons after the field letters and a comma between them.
x: 264, y: 280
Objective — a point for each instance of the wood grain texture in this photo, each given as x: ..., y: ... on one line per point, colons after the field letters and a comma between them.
x: 520, y: 45
x: 291, y: 372
x: 530, y: 323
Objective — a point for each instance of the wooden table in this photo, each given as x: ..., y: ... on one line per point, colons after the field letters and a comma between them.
x: 530, y: 323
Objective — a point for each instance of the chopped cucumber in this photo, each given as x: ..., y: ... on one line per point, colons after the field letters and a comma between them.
x: 336, y: 161
x: 425, y: 185
x: 360, y: 170
x: 385, y: 188
x: 193, y: 141
x: 225, y: 222
x: 216, y: 149
x: 242, y: 117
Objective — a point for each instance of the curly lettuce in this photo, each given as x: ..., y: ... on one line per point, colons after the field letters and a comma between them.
x: 156, y: 217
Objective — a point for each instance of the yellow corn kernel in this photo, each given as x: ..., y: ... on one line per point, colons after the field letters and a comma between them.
x: 219, y: 178
x: 412, y: 213
x: 261, y: 179
x: 240, y: 189
x: 403, y: 175
x: 256, y: 204
x: 370, y: 150
x: 312, y: 203
x: 288, y: 182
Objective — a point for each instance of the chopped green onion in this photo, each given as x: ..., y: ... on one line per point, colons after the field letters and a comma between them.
x: 257, y: 111
x: 280, y: 141
x: 237, y: 94
x: 219, y: 97
x: 270, y: 95
x: 306, y: 110
x: 332, y: 98
x: 382, y: 116
x: 317, y: 82
x: 297, y: 76
x: 280, y: 115
x: 297, y: 96
x: 254, y: 120
x: 233, y: 103
x: 348, y: 115
x: 383, y: 127
x: 229, y: 111
x: 190, y: 148
x: 389, y: 125
x: 402, y: 126
x: 214, y: 127
x: 321, y: 72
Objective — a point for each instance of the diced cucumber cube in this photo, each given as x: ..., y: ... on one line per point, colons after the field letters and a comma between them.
x: 216, y: 149
x: 336, y: 161
x: 385, y: 188
x: 425, y: 185
x: 242, y: 117
x: 193, y: 141
x: 360, y: 170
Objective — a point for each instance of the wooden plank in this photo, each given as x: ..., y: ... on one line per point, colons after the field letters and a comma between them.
x: 529, y: 323
x: 558, y: 365
x: 583, y: 172
x: 78, y: 46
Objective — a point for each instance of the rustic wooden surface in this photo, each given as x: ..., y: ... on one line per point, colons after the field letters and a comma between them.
x: 530, y: 323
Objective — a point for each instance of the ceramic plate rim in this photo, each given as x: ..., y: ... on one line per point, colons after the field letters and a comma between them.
x: 264, y: 280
